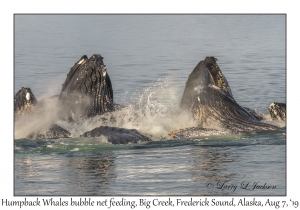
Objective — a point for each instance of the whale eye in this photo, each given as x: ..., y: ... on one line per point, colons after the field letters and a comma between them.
x: 27, y: 96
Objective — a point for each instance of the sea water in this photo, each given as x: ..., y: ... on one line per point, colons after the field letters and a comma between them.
x: 149, y: 58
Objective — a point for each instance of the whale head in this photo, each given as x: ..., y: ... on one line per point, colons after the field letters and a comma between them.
x: 87, y: 90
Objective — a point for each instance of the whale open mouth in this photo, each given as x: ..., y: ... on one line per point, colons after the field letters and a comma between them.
x: 208, y: 97
x: 87, y: 90
x: 217, y: 75
x: 206, y: 74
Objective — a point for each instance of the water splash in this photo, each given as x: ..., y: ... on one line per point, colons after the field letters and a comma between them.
x: 152, y: 111
x: 278, y: 123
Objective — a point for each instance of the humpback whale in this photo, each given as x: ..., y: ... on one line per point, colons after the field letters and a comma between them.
x: 87, y: 92
x: 208, y: 98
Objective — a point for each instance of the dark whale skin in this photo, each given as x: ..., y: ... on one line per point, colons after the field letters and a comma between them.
x: 54, y: 132
x: 116, y: 135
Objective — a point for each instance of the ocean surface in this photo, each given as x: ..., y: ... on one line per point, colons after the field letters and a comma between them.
x: 149, y: 58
